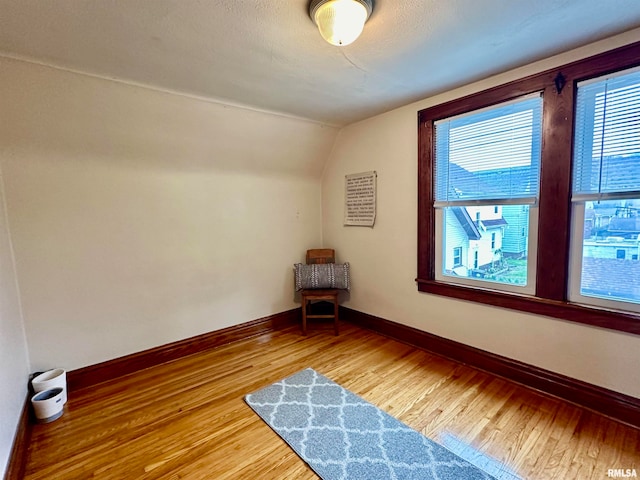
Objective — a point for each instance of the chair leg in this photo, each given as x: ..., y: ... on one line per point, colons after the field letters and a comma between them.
x: 304, y: 316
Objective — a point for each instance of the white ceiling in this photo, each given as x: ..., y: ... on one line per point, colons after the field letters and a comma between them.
x: 268, y: 54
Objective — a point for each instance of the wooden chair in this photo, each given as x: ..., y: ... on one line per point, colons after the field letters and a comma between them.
x: 320, y: 255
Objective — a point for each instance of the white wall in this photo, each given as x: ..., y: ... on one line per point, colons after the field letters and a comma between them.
x: 14, y: 367
x: 141, y: 217
x: 384, y: 264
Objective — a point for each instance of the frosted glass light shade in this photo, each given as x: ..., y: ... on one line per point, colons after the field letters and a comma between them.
x: 340, y: 21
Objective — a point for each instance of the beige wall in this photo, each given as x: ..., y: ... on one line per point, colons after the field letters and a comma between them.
x: 141, y: 217
x: 14, y: 367
x: 384, y: 261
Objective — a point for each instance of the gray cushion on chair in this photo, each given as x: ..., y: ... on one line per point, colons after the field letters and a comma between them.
x: 322, y: 275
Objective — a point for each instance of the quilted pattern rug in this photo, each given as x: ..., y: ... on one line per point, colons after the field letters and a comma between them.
x: 341, y: 436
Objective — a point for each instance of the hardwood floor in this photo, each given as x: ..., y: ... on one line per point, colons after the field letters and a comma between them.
x: 187, y: 419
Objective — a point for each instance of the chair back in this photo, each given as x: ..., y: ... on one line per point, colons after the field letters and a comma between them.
x: 321, y: 255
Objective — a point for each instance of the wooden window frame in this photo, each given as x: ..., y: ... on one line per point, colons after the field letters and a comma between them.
x: 558, y: 86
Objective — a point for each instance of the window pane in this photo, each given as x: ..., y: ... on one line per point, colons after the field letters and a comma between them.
x: 607, y: 136
x: 489, y: 154
x: 610, y: 266
x: 486, y: 243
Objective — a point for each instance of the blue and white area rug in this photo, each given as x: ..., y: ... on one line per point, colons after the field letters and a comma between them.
x: 341, y: 436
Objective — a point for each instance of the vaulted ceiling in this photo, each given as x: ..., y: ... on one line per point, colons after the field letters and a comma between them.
x: 268, y: 54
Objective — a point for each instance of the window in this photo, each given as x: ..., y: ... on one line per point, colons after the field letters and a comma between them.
x: 547, y: 164
x: 485, y: 161
x: 457, y: 256
x: 606, y: 191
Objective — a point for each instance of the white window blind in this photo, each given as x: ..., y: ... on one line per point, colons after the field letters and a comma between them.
x: 489, y: 156
x: 607, y: 138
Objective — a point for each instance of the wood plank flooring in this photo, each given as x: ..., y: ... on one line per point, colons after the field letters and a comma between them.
x: 187, y: 419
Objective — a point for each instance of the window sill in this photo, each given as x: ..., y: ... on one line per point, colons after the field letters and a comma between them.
x: 599, y: 317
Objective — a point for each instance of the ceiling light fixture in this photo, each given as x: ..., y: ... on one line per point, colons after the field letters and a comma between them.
x: 340, y: 21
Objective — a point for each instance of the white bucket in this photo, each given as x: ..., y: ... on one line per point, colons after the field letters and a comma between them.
x: 51, y: 379
x: 47, y: 405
